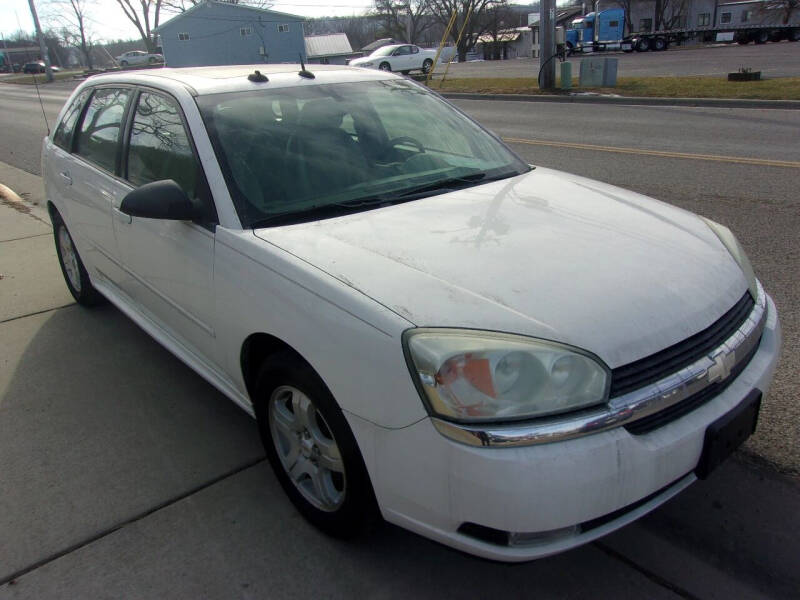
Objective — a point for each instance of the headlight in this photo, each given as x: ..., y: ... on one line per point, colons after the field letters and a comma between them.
x: 472, y: 376
x: 737, y: 252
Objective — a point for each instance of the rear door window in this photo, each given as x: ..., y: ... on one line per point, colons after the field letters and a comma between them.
x: 98, y: 135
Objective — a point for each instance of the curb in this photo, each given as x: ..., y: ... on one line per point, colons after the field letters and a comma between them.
x: 628, y: 100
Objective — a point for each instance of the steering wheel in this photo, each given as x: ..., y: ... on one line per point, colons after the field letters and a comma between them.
x: 404, y: 139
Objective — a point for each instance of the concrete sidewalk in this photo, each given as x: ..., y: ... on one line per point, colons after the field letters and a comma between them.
x: 123, y: 474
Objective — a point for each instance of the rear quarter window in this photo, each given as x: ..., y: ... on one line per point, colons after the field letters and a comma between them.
x: 63, y: 135
x: 98, y: 135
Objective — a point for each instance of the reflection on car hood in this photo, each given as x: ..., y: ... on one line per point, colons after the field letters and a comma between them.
x: 545, y: 254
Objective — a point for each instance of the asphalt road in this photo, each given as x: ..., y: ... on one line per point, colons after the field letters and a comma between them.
x: 773, y: 60
x: 125, y: 475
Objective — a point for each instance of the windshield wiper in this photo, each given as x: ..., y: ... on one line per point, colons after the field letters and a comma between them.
x: 336, y: 209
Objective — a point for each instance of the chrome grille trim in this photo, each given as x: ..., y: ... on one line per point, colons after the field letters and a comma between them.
x: 716, y: 366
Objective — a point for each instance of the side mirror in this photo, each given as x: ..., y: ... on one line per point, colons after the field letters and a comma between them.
x: 160, y: 200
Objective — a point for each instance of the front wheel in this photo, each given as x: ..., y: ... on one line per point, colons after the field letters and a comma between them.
x: 384, y: 66
x: 426, y: 65
x: 75, y: 275
x: 312, y: 449
x: 123, y: 63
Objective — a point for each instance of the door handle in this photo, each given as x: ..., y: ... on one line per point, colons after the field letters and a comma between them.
x: 66, y: 177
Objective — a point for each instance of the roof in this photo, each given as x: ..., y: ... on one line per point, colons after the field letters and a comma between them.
x: 189, y: 13
x: 201, y: 81
x: 378, y: 44
x: 328, y: 45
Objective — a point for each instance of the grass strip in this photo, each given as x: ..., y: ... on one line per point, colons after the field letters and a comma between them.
x: 783, y: 88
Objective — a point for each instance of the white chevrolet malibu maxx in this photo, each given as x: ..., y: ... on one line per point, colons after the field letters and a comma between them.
x: 507, y: 359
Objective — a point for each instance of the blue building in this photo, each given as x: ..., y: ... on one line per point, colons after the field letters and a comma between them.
x: 224, y: 33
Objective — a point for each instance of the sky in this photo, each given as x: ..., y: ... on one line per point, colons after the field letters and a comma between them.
x: 109, y: 22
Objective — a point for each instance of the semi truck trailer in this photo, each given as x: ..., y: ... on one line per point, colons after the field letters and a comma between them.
x: 743, y: 22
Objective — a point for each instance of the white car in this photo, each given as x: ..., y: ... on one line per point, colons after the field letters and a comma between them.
x: 397, y: 57
x: 138, y: 57
x: 507, y: 359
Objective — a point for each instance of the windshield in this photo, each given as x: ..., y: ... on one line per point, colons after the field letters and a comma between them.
x: 314, y: 151
x: 384, y: 51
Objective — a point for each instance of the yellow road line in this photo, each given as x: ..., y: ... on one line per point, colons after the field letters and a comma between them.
x: 741, y: 160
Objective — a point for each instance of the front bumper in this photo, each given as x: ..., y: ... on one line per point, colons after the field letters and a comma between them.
x: 433, y: 485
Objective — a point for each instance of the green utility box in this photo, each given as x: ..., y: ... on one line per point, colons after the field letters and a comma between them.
x: 566, y: 75
x: 598, y: 72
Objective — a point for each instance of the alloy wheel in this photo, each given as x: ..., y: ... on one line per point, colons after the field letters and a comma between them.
x: 307, y: 448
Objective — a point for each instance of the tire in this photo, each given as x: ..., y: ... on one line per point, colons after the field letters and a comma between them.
x: 643, y: 45
x: 426, y: 65
x: 794, y: 35
x: 762, y: 37
x: 152, y: 60
x: 123, y: 63
x: 659, y: 44
x: 302, y: 428
x: 75, y: 275
x: 385, y: 66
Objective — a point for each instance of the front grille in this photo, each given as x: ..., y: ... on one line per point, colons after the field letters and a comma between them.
x: 669, y: 414
x: 650, y: 369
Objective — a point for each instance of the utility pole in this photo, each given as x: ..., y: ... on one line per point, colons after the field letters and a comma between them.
x: 547, y: 78
x: 42, y: 48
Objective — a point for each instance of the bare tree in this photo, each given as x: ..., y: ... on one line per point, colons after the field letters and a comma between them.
x: 475, y: 26
x: 70, y: 19
x: 405, y: 19
x: 669, y: 14
x: 497, y: 18
x: 144, y: 14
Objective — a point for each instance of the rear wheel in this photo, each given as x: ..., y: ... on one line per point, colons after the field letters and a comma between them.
x: 762, y: 37
x: 659, y: 44
x: 384, y: 66
x: 426, y: 65
x: 794, y: 35
x: 75, y: 275
x: 312, y: 449
x: 643, y: 45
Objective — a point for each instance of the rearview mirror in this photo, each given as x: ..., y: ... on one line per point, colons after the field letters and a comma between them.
x: 160, y: 200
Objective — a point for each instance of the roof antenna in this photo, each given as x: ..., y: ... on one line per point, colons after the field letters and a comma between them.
x: 257, y: 77
x: 36, y: 83
x: 303, y: 72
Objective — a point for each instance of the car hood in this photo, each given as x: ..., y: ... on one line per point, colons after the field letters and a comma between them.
x: 544, y: 254
x: 363, y: 59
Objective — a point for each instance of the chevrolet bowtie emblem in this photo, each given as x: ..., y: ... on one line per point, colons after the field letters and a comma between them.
x: 721, y: 369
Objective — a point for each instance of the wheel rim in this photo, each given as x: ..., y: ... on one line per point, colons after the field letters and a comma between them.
x: 384, y: 67
x: 426, y: 66
x: 306, y: 448
x: 69, y: 258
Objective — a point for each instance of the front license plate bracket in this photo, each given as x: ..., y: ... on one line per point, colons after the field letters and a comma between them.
x: 728, y: 432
